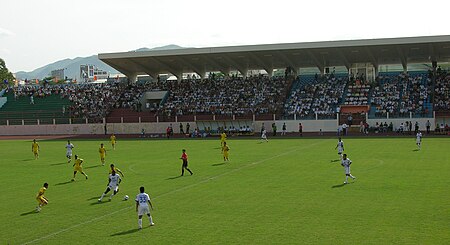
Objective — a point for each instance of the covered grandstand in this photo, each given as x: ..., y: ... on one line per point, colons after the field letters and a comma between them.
x: 355, y: 55
x: 322, y: 86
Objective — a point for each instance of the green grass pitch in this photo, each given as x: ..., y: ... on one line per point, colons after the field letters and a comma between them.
x: 286, y: 191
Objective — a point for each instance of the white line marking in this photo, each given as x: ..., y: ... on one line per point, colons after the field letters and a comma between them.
x: 170, y: 192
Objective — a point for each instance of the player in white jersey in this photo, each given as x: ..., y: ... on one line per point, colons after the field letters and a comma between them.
x: 340, y: 147
x: 346, y: 164
x: 113, y: 184
x: 264, y: 135
x: 142, y: 207
x: 69, y: 148
x: 418, y: 139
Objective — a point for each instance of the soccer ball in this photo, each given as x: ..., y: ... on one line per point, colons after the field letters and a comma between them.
x: 126, y: 197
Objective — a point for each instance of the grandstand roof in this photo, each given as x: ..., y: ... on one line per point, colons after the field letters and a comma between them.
x: 271, y: 56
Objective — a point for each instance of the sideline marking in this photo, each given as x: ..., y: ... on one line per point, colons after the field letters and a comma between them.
x: 170, y: 192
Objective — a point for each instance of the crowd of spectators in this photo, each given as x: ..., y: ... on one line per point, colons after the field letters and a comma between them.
x: 92, y: 101
x: 226, y: 96
x: 385, y: 98
x: 398, y: 95
x: 415, y: 93
x: 357, y: 94
x: 320, y: 97
x: 442, y: 92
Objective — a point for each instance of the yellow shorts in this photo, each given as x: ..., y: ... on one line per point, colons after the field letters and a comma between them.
x: 225, y: 154
x: 41, y: 200
x: 102, y: 157
x: 79, y: 169
x: 35, y: 152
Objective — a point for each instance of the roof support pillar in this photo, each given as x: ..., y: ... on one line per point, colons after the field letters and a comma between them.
x: 132, y: 78
x: 243, y: 71
x: 201, y: 73
x: 269, y: 71
x: 179, y: 76
x: 226, y: 71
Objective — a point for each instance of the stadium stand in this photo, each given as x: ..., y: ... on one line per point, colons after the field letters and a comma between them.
x: 442, y: 92
x: 321, y: 97
x: 397, y: 94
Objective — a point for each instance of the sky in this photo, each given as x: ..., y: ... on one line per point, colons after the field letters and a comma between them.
x: 36, y: 33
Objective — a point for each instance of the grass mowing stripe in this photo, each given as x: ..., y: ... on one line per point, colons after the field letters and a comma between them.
x: 293, y: 149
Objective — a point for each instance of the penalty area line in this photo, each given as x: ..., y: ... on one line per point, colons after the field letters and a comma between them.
x: 170, y: 192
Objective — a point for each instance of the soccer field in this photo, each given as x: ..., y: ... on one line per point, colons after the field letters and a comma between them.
x: 286, y: 191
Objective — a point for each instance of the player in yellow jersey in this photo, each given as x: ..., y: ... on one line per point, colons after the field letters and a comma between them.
x: 41, y: 199
x: 113, y: 168
x: 113, y: 141
x: 225, y: 150
x: 35, y: 149
x: 223, y: 138
x: 102, y: 152
x: 78, y: 168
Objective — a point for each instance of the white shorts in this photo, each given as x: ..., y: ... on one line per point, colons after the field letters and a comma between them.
x: 347, y: 170
x: 143, y: 210
x: 114, y: 187
x: 340, y: 151
x: 69, y: 154
x: 417, y: 141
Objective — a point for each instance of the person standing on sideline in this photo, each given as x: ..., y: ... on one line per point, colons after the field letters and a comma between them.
x: 142, y: 207
x: 346, y: 164
x: 344, y: 129
x: 184, y: 157
x: 113, y: 141
x: 187, y: 128
x: 340, y: 147
x: 41, y: 199
x: 35, y: 149
x: 428, y: 125
x: 168, y: 132
x: 69, y: 148
x: 300, y: 129
x: 410, y: 127
x: 419, y: 139
x: 181, y: 129
x: 283, y: 132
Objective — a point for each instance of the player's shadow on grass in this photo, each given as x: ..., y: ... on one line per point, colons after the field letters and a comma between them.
x: 99, y: 203
x: 27, y: 160
x: 175, y: 177
x: 339, y: 186
x: 60, y: 163
x: 95, y: 166
x: 28, y: 213
x: 336, y: 160
x: 218, y: 164
x: 416, y: 150
x: 64, y: 183
x: 126, y: 232
x: 92, y: 198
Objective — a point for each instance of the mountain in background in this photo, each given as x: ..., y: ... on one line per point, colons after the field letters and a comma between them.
x: 72, y: 66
